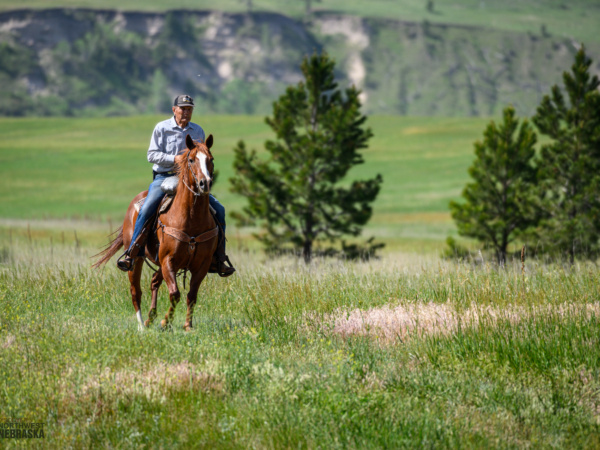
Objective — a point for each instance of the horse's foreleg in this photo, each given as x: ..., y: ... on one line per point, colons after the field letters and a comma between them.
x: 136, y: 290
x: 174, y: 294
x: 157, y: 280
x: 191, y: 300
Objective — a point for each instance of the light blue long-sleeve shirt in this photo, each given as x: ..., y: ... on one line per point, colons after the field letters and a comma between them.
x: 168, y: 139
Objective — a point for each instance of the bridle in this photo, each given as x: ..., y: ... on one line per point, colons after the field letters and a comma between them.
x: 196, y: 194
x: 181, y: 235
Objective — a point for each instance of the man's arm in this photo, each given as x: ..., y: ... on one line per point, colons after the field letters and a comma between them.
x: 157, y: 150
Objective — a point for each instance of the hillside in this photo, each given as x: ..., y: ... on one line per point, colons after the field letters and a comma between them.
x: 90, y: 62
x: 576, y: 19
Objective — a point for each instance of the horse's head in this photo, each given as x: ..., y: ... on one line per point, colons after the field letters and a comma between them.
x: 195, y: 167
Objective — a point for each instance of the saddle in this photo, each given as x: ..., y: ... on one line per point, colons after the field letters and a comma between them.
x: 164, y: 206
x: 169, y: 187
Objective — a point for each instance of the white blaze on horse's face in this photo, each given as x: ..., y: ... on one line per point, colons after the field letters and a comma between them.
x: 202, y: 158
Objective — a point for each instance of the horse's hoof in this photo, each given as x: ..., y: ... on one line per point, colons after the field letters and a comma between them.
x: 141, y: 327
x: 147, y: 323
x: 188, y: 327
x: 166, y: 326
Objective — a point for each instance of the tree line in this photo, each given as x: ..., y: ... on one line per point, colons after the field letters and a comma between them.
x: 548, y: 199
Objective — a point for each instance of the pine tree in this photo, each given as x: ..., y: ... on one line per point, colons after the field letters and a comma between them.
x: 570, y: 164
x: 498, y: 204
x: 298, y: 193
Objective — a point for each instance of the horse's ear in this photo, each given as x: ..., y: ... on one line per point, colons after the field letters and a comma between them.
x: 209, y: 141
x: 189, y: 142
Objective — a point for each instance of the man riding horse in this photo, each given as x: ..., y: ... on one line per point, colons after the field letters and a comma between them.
x: 167, y: 141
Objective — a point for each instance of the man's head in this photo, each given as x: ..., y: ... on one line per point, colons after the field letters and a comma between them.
x: 183, y: 106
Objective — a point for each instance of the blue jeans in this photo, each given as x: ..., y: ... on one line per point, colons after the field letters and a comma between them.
x: 152, y: 202
x: 220, y: 214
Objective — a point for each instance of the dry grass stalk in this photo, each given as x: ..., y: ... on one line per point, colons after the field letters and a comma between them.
x: 9, y: 341
x: 415, y: 320
x: 152, y: 382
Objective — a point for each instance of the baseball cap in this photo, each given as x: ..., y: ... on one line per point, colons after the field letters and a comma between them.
x: 183, y: 100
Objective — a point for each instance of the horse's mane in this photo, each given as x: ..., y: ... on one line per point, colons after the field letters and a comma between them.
x: 180, y: 165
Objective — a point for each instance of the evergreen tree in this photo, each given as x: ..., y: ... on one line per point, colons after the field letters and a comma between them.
x: 296, y: 193
x: 498, y: 204
x: 570, y: 164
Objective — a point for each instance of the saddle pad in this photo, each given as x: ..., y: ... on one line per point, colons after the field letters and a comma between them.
x: 164, y: 206
x: 139, y: 204
x: 166, y: 203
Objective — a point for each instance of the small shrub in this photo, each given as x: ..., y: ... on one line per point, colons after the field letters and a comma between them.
x: 455, y: 250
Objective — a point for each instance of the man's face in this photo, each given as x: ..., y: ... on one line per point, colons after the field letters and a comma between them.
x: 183, y: 115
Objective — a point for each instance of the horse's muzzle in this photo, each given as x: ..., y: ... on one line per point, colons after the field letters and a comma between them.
x: 204, y: 186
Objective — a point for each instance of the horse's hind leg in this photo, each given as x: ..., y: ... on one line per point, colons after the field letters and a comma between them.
x: 191, y: 300
x: 174, y: 295
x: 157, y: 280
x: 136, y: 290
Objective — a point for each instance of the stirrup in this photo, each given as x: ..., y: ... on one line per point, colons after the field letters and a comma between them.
x: 125, y: 262
x: 225, y: 270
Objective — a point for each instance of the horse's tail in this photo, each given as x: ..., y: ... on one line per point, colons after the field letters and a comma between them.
x: 110, y: 249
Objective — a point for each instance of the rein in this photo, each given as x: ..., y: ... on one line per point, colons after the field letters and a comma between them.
x: 182, y: 236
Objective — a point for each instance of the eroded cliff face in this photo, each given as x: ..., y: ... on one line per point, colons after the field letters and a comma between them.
x: 107, y: 62
x: 103, y: 57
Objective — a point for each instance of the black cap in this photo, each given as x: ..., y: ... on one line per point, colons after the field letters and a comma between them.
x: 183, y: 100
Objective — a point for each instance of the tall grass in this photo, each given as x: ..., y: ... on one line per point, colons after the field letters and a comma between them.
x: 270, y: 364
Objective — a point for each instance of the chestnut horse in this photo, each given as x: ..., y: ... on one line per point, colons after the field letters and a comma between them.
x: 187, y: 235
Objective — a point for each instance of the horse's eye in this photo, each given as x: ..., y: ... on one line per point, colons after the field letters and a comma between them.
x: 191, y: 160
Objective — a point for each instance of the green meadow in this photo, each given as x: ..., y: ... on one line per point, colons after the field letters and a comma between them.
x: 406, y: 351
x: 89, y: 169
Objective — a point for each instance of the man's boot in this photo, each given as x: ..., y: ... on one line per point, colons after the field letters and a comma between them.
x: 126, y: 260
x: 220, y: 263
x: 225, y: 266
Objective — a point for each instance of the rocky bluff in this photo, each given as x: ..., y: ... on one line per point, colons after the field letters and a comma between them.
x: 73, y: 61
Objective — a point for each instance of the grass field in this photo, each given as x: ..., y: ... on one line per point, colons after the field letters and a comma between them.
x: 576, y: 18
x: 406, y: 351
x: 78, y: 170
